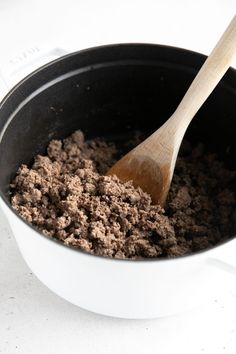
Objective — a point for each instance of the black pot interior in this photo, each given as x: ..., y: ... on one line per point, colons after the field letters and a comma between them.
x: 111, y: 91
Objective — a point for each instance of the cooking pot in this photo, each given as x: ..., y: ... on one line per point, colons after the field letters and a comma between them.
x: 112, y: 91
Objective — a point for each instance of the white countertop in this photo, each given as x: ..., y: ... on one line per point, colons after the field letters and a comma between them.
x: 33, y: 319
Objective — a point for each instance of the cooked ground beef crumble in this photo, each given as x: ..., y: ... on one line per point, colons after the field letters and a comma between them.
x: 66, y: 196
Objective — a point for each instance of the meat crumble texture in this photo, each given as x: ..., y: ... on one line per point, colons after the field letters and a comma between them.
x: 66, y: 196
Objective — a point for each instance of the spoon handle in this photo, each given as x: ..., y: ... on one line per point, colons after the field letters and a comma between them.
x: 208, y: 77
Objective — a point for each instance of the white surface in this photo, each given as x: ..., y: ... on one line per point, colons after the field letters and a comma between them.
x: 32, y: 319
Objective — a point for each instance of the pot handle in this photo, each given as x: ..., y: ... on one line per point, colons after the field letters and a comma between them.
x: 23, y: 63
x: 224, y: 257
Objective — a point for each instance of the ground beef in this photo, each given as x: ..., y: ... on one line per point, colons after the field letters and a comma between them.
x: 66, y: 195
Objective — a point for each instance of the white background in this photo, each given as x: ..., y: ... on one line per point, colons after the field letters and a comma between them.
x: 34, y: 320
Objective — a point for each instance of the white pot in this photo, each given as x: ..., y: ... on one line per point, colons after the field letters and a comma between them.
x: 122, y: 288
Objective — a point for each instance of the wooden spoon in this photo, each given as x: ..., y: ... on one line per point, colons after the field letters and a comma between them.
x: 151, y: 164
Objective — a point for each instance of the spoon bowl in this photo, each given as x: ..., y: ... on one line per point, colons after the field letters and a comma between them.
x: 145, y: 171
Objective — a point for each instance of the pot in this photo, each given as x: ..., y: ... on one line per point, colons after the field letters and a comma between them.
x: 111, y: 91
